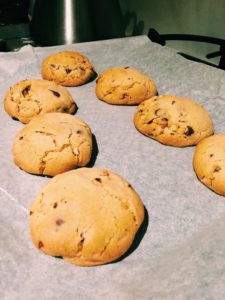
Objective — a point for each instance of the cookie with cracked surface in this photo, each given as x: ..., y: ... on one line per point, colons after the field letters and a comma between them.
x: 173, y: 120
x: 209, y: 162
x: 53, y: 143
x: 67, y: 68
x: 124, y: 85
x: 29, y: 98
x: 89, y: 216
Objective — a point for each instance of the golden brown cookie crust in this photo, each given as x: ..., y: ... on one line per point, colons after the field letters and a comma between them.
x: 209, y: 162
x: 53, y: 143
x: 29, y: 98
x: 88, y: 216
x: 67, y: 68
x: 173, y: 120
x: 124, y: 85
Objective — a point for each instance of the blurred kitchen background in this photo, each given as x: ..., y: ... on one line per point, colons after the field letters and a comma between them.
x: 43, y: 22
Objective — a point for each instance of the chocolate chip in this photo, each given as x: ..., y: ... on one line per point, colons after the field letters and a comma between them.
x: 189, y: 131
x: 20, y: 138
x: 26, y: 90
x: 98, y: 179
x: 127, y: 67
x: 53, y: 66
x: 173, y: 101
x: 216, y: 169
x: 211, y: 155
x: 59, y: 222
x: 31, y: 213
x: 40, y: 245
x: 55, y: 93
x: 150, y: 122
x: 125, y: 96
x: 78, y: 131
x: 55, y: 205
x: 68, y: 71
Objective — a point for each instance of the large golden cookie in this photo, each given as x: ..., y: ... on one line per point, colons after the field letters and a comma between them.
x: 29, y: 98
x: 87, y: 216
x: 67, y: 68
x: 173, y: 120
x: 209, y: 162
x: 126, y: 86
x: 53, y: 143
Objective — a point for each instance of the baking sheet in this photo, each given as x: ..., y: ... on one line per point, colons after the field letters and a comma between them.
x: 179, y: 253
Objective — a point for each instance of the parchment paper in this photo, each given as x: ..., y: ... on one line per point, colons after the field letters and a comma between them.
x: 179, y: 252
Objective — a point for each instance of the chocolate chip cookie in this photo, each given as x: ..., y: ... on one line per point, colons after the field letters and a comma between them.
x: 209, y: 162
x: 88, y: 216
x: 29, y: 98
x: 52, y: 143
x: 126, y: 86
x: 173, y: 120
x: 67, y: 68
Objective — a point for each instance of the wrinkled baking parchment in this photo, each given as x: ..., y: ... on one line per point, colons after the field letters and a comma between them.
x: 179, y: 252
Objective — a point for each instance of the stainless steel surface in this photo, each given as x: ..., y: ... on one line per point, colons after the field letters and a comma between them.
x: 69, y: 21
x: 59, y: 22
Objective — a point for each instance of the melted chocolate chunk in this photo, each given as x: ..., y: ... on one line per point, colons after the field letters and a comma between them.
x: 40, y: 245
x: 59, y: 222
x: 55, y: 205
x: 98, y: 179
x: 26, y: 90
x: 55, y: 93
x: 189, y: 131
x: 68, y: 71
x: 125, y: 96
